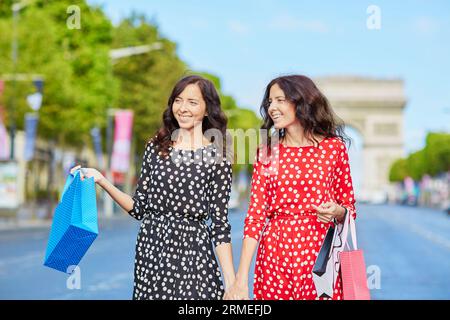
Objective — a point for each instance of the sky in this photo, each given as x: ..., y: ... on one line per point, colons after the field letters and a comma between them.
x: 249, y: 42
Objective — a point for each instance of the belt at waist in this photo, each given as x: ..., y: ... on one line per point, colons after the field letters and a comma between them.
x: 292, y: 216
x: 175, y: 215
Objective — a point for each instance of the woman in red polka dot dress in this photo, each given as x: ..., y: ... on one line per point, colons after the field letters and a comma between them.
x: 301, y: 184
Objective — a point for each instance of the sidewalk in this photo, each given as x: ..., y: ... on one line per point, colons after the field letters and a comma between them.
x: 14, y: 224
x: 32, y: 216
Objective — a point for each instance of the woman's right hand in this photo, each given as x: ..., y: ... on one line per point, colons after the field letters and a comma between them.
x: 237, y: 291
x: 88, y: 173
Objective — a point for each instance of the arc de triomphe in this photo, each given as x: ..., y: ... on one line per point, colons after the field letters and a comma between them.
x: 374, y: 107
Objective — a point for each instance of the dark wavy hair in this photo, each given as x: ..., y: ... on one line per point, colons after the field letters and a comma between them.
x: 312, y: 109
x: 216, y: 118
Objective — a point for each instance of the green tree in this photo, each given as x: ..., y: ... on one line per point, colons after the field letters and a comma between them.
x: 437, y: 152
x: 81, y: 81
x: 75, y: 63
x: 238, y: 118
x: 433, y: 159
x: 398, y: 171
x: 146, y: 80
x: 416, y: 165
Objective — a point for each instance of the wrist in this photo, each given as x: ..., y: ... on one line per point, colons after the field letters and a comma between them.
x: 228, y: 280
x: 241, y: 279
x: 341, y: 214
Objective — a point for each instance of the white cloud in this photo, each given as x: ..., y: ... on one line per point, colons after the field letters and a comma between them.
x: 287, y: 22
x: 426, y: 25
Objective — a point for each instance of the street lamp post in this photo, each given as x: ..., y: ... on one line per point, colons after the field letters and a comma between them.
x: 16, y: 7
x: 14, y: 47
x: 108, y: 205
x: 115, y: 55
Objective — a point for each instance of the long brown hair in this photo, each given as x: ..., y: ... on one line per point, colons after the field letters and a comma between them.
x: 312, y: 109
x: 216, y: 118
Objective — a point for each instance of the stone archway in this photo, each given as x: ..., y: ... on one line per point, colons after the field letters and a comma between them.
x: 374, y: 107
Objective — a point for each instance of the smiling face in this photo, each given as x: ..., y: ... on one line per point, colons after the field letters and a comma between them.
x: 189, y: 107
x: 281, y: 110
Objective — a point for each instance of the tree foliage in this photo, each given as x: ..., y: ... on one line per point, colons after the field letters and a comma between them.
x: 82, y: 82
x: 433, y: 159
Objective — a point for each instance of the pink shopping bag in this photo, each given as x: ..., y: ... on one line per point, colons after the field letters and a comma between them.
x: 353, y: 270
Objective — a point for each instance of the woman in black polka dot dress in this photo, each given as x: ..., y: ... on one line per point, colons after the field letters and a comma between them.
x: 182, y: 200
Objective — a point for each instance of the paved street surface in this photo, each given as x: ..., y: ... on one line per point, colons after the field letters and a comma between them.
x: 410, y: 247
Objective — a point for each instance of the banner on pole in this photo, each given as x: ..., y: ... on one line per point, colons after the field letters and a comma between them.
x: 2, y: 87
x: 39, y: 85
x: 31, y: 121
x: 120, y: 161
x: 97, y: 140
x: 4, y: 146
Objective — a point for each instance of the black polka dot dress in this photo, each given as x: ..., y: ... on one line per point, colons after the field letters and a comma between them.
x: 182, y: 202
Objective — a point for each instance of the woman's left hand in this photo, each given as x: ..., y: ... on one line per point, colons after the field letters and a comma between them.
x: 328, y: 211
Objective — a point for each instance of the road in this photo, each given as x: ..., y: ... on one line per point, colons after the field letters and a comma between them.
x: 407, y: 248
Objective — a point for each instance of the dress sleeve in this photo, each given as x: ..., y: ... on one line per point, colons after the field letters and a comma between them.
x: 342, y: 187
x: 257, y: 211
x: 140, y: 197
x: 219, y: 195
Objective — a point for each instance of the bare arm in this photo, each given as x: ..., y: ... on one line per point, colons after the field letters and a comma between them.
x: 254, y: 224
x: 218, y: 197
x: 136, y: 205
x: 124, y: 200
x: 224, y: 253
x: 249, y: 246
x: 239, y: 290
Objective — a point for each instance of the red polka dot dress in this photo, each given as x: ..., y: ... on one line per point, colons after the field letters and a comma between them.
x: 284, y: 186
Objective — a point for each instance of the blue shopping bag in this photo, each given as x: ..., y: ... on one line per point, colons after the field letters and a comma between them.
x: 74, y: 226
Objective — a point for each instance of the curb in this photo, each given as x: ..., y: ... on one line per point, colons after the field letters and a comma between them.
x: 26, y: 224
x: 14, y: 224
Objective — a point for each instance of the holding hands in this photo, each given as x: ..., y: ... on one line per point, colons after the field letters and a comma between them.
x: 237, y: 291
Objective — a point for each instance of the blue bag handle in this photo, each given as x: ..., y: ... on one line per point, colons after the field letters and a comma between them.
x: 70, y: 178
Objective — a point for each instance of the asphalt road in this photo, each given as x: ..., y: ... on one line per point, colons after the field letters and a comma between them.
x: 407, y: 253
